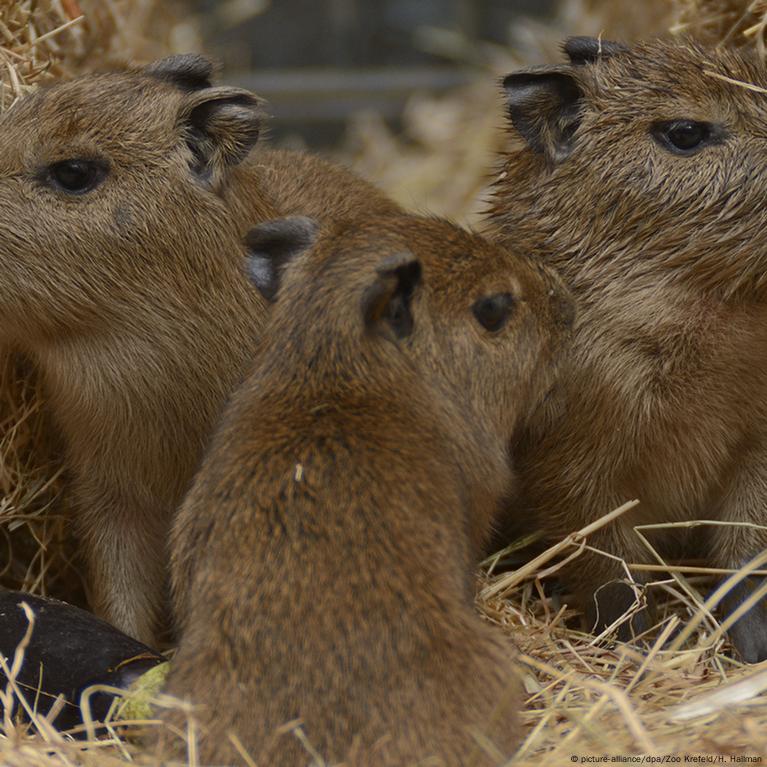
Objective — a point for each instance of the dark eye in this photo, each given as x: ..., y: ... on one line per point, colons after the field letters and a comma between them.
x: 493, y: 312
x: 686, y: 136
x: 76, y: 176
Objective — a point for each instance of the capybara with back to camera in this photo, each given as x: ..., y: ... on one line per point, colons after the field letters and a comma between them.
x: 642, y: 175
x: 324, y: 561
x: 123, y: 200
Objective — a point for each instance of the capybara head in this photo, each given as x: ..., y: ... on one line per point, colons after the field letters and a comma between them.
x: 105, y: 181
x: 650, y: 159
x: 486, y: 323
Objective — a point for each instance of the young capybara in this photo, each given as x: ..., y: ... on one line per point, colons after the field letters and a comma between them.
x: 323, y: 563
x: 124, y: 197
x: 642, y: 174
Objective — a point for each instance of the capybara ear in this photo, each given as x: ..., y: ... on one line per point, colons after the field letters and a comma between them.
x: 588, y: 50
x: 386, y: 303
x: 186, y: 71
x: 544, y: 106
x: 272, y: 245
x: 220, y: 126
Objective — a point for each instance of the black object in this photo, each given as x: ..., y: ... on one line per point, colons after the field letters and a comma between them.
x: 70, y: 649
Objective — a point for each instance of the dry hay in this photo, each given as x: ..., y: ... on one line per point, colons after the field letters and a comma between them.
x: 724, y: 22
x: 584, y: 697
x: 681, y: 695
x: 713, y: 22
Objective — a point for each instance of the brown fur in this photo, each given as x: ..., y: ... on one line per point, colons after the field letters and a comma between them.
x: 324, y: 560
x: 132, y: 298
x: 664, y: 397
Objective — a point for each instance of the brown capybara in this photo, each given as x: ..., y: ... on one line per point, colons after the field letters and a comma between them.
x: 642, y: 175
x: 323, y: 562
x: 124, y: 197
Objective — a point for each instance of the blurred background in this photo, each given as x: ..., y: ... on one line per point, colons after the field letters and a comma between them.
x: 404, y: 91
x: 320, y: 63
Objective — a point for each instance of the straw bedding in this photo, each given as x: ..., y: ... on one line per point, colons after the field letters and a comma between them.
x: 684, y: 696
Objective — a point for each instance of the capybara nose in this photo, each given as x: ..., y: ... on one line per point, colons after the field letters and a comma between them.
x: 562, y: 307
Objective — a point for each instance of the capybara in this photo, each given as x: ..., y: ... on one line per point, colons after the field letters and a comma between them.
x: 324, y: 560
x: 640, y: 175
x: 124, y: 198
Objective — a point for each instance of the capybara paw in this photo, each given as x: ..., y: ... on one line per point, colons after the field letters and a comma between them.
x: 749, y: 634
x: 610, y: 603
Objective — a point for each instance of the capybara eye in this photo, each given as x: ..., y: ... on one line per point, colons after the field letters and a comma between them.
x: 493, y: 312
x: 684, y: 136
x: 76, y: 176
